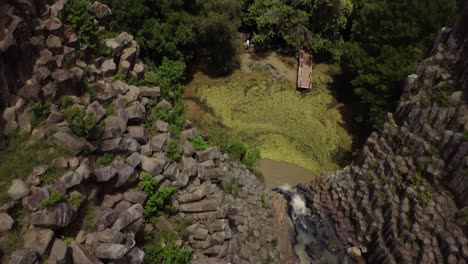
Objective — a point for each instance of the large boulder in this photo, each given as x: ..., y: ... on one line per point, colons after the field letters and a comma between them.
x: 38, y: 239
x: 135, y: 256
x: 97, y: 109
x: 105, y: 173
x: 100, y: 10
x: 208, y: 154
x: 158, y: 142
x: 24, y: 256
x: 33, y: 201
x: 138, y: 133
x: 114, y: 127
x: 69, y: 141
x: 135, y: 196
x: 105, y: 217
x: 18, y: 190
x: 108, y: 68
x: 56, y: 217
x: 71, y: 179
x: 6, y: 222
x: 110, y: 251
x: 150, y: 91
x: 82, y: 255
x: 117, y: 145
x: 128, y: 217
x: 152, y: 165
x: 59, y: 253
x: 206, y: 205
x: 136, y: 113
x: 119, y: 43
x: 110, y: 235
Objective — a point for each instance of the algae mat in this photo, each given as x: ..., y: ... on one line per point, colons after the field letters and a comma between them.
x: 269, y: 114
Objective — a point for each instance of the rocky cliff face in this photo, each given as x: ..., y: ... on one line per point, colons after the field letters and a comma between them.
x: 402, y: 200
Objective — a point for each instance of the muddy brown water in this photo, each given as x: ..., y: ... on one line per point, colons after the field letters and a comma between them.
x: 278, y: 173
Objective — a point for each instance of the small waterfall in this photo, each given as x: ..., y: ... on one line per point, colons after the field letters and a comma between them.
x: 316, y: 241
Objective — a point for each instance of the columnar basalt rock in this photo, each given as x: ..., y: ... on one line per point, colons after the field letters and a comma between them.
x: 401, y: 198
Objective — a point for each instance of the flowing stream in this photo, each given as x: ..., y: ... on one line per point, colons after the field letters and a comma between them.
x: 316, y: 240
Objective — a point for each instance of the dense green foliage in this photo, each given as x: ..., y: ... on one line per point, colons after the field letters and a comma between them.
x: 388, y: 39
x: 163, y: 249
x: 159, y: 202
x: 40, y: 113
x: 80, y: 122
x: 172, y: 152
x: 54, y: 199
x: 20, y: 154
x: 105, y: 159
x: 311, y: 24
x: 199, y: 143
x: 78, y: 15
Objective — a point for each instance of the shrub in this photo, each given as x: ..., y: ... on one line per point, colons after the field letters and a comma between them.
x: 89, y: 217
x: 252, y: 156
x: 81, y: 123
x: 110, y: 110
x: 159, y: 203
x: 198, y: 143
x: 163, y: 250
x: 265, y: 204
x: 237, y: 151
x: 40, y: 113
x: 76, y: 200
x: 64, y: 102
x: 148, y: 183
x: 105, y: 159
x: 78, y: 14
x: 219, y: 137
x: 231, y: 187
x: 173, y: 152
x: 54, y: 199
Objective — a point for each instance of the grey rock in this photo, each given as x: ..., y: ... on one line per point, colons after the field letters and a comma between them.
x: 24, y: 256
x: 120, y: 87
x: 210, y: 261
x: 135, y: 256
x: 124, y: 173
x: 82, y: 255
x: 164, y: 105
x: 18, y: 190
x: 150, y: 91
x: 97, y: 110
x: 100, y: 10
x: 122, y: 206
x: 136, y: 197
x: 108, y: 68
x: 138, y: 133
x: 109, y: 235
x: 118, y: 43
x: 55, y: 117
x: 110, y: 251
x: 136, y: 113
x: 33, y: 201
x: 213, y: 173
x: 60, y: 252
x: 84, y: 170
x: 200, y: 233
x: 6, y: 222
x: 161, y: 126
x: 38, y: 239
x: 69, y: 141
x: 211, y: 153
x: 134, y: 160
x: 158, y: 142
x: 152, y: 165
x: 105, y: 173
x: 114, y: 127
x: 54, y: 44
x: 71, y: 179
x: 56, y: 217
x: 126, y: 218
x: 124, y: 68
x: 115, y: 145
x: 206, y: 205
x: 105, y: 217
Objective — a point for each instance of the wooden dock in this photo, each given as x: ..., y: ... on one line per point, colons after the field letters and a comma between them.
x: 304, y: 72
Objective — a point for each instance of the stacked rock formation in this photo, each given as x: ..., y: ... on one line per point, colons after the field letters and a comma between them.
x: 404, y: 200
x: 234, y: 226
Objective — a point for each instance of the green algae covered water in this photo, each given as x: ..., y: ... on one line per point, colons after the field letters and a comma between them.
x: 260, y: 106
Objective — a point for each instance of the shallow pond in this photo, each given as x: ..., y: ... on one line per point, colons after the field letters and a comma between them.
x: 278, y: 173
